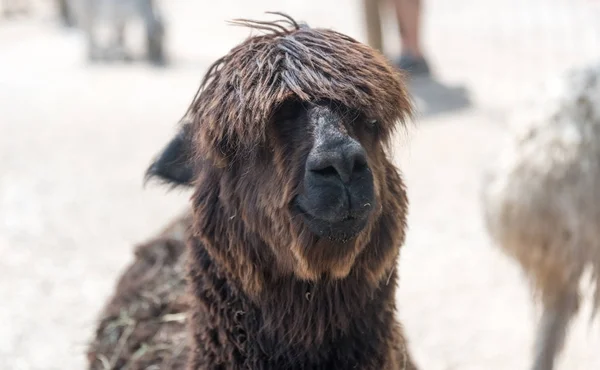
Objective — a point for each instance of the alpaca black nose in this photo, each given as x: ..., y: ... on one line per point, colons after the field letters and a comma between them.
x: 342, y: 161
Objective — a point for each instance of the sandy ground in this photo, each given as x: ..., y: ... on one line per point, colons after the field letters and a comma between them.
x: 75, y: 140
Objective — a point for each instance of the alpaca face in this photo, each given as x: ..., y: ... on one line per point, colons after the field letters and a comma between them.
x: 286, y: 140
x: 335, y: 192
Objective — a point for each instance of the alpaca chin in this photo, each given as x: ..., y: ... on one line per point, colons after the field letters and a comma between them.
x: 325, y: 258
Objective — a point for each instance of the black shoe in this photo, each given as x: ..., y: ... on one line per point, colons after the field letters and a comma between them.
x: 415, y: 66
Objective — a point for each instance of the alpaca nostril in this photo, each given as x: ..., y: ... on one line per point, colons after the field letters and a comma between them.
x: 340, y: 163
x: 328, y: 171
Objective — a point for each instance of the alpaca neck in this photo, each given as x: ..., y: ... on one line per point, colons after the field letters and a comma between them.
x: 297, y: 321
x: 317, y: 312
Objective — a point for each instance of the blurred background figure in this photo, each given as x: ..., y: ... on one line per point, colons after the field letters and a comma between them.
x: 408, y: 14
x: 432, y: 96
x: 408, y: 18
x: 11, y: 7
x: 117, y: 14
x: 65, y: 13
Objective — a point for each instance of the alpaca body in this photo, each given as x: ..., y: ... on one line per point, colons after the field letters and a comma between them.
x: 143, y: 324
x: 542, y: 201
x: 150, y: 307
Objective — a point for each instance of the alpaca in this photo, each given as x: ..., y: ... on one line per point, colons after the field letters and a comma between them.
x: 90, y: 14
x: 298, y: 213
x: 542, y: 202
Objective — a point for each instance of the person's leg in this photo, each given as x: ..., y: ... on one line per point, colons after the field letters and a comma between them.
x: 372, y: 19
x: 408, y: 13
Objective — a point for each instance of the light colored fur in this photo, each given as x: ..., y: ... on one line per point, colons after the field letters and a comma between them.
x: 542, y: 201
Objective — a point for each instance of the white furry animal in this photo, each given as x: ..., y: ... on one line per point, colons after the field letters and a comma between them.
x: 542, y: 202
x: 91, y: 14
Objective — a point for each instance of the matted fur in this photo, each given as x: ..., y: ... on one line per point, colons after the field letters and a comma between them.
x: 240, y: 90
x: 266, y: 292
x: 143, y: 325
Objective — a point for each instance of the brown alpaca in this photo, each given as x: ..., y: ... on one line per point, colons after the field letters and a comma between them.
x: 298, y: 212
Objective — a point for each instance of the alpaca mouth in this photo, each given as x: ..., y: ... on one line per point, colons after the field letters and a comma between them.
x: 310, y: 216
x: 342, y: 229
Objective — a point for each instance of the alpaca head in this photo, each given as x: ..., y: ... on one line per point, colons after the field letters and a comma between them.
x: 288, y: 132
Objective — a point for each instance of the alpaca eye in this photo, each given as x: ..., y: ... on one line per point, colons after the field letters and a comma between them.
x: 289, y: 110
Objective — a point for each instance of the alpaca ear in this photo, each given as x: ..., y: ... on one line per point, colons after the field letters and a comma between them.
x: 173, y: 165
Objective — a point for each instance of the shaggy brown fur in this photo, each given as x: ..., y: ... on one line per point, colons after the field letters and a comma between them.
x: 144, y: 324
x: 241, y: 90
x: 266, y: 292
